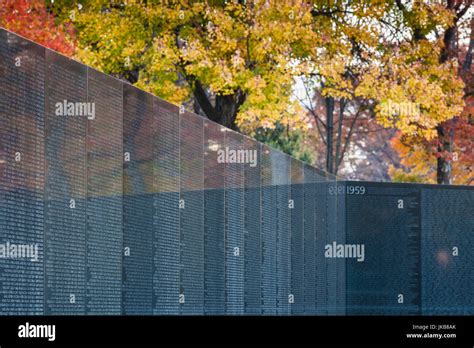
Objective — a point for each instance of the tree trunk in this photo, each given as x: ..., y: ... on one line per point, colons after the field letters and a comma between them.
x: 466, y: 67
x: 443, y: 170
x: 338, y: 156
x: 444, y: 166
x: 196, y: 107
x: 225, y: 109
x: 329, y: 134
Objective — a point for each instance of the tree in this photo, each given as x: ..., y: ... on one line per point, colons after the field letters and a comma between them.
x: 31, y: 19
x: 336, y: 124
x: 385, y: 57
x: 361, y: 146
x: 354, y: 35
x: 424, y: 95
x: 447, y: 157
x: 332, y: 73
x: 235, y: 58
x: 291, y: 142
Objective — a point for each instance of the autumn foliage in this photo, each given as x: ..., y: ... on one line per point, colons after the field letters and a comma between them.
x: 31, y: 19
x: 371, y: 70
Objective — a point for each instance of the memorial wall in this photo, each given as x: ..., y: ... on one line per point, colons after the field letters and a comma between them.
x: 113, y: 201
